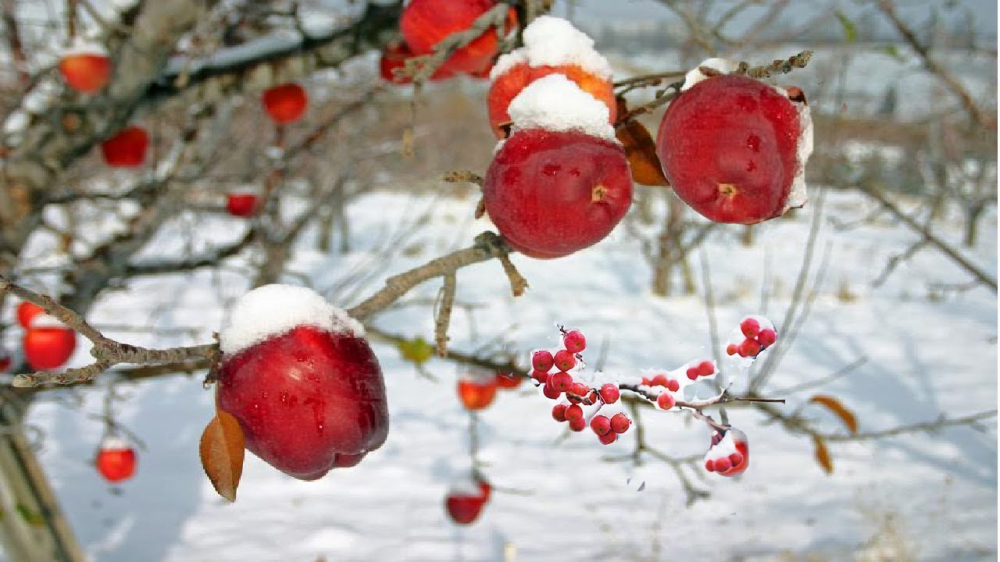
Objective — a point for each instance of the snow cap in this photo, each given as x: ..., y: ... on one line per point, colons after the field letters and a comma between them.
x: 555, y: 103
x: 552, y: 41
x: 273, y: 310
x: 46, y: 321
x: 114, y: 443
x: 82, y: 46
x: 721, y: 66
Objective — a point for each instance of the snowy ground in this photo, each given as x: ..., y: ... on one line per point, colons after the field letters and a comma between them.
x: 929, y: 353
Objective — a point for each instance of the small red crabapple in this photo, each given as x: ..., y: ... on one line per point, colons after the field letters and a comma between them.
x: 542, y: 361
x: 659, y: 380
x: 610, y: 393
x: 665, y: 401
x: 562, y: 381
x: 620, y: 423
x: 580, y: 389
x: 540, y: 376
x: 574, y: 341
x: 559, y: 412
x: 574, y: 412
x: 608, y: 438
x: 705, y: 369
x: 749, y: 348
x: 601, y: 425
x: 723, y: 464
x: 735, y: 459
x: 732, y: 349
x: 750, y: 327
x: 577, y: 424
x: 673, y: 385
x: 564, y: 360
x: 692, y: 373
x: 710, y: 465
x: 550, y: 391
x: 767, y: 337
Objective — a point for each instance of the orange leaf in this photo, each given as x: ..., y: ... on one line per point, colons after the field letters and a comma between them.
x: 823, y: 455
x: 221, y: 451
x: 640, y: 150
x: 835, y: 406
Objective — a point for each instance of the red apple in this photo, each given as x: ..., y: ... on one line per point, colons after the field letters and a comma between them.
x: 509, y: 84
x: 733, y: 148
x: 116, y: 460
x: 85, y: 70
x: 476, y: 392
x: 47, y: 343
x: 463, y: 507
x: 302, y: 381
x: 395, y: 55
x: 127, y: 149
x: 241, y: 203
x: 26, y: 311
x: 285, y: 103
x: 551, y: 193
x: 424, y: 23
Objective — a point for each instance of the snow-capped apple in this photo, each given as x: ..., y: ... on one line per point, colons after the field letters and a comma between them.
x: 285, y: 103
x: 561, y: 182
x: 126, y: 149
x: 477, y: 390
x: 466, y: 500
x: 299, y: 376
x: 425, y: 23
x: 551, y: 46
x: 242, y: 203
x: 395, y: 56
x: 48, y: 343
x: 735, y: 148
x: 26, y: 311
x: 85, y: 67
x: 729, y: 454
x: 116, y: 459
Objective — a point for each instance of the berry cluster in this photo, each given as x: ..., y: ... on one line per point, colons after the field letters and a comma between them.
x: 581, y: 402
x: 758, y: 334
x: 729, y: 453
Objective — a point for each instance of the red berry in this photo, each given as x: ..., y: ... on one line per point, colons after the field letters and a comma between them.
x: 600, y: 424
x: 722, y: 464
x: 540, y: 376
x: 753, y: 132
x: 477, y: 393
x: 464, y: 508
x: 705, y: 369
x: 508, y: 380
x: 673, y: 386
x: 564, y: 360
x: 542, y: 360
x: 577, y: 424
x: 126, y: 149
x: 647, y: 382
x: 551, y: 193
x: 750, y: 327
x: 767, y: 337
x: 574, y: 342
x: 620, y: 423
x: 608, y: 438
x: 48, y: 347
x: 559, y: 412
x: 116, y: 460
x: 732, y: 349
x: 26, y: 311
x: 665, y: 401
x: 574, y: 412
x: 735, y: 459
x: 562, y: 381
x: 285, y: 103
x: 749, y: 348
x: 609, y: 393
x: 692, y: 373
x: 710, y: 465
x: 659, y: 380
x: 580, y: 389
x: 550, y: 391
x: 85, y: 72
x: 241, y: 204
x: 743, y: 449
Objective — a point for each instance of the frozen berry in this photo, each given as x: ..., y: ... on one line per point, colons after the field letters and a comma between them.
x: 574, y: 412
x: 609, y: 393
x: 561, y: 381
x: 732, y: 349
x: 705, y: 369
x: 673, y: 385
x: 540, y: 376
x: 608, y: 438
x: 577, y: 424
x: 559, y: 412
x: 564, y: 360
x: 620, y: 423
x: 767, y: 337
x: 574, y: 342
x: 542, y: 360
x: 600, y: 424
x: 665, y: 401
x: 749, y: 348
x: 750, y: 327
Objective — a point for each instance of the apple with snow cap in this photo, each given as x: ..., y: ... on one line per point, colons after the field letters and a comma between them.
x: 729, y: 454
x: 48, y: 343
x: 302, y: 381
x: 551, y: 46
x: 116, y: 459
x: 735, y: 148
x: 85, y: 67
x: 561, y: 182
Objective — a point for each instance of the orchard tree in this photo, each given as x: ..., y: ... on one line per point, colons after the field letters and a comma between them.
x: 157, y: 90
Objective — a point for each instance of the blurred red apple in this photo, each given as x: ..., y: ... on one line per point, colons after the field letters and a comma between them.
x: 285, y: 103
x: 127, y: 149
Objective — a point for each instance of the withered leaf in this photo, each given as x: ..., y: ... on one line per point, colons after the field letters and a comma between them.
x: 221, y: 451
x: 640, y: 151
x: 823, y: 455
x: 835, y: 406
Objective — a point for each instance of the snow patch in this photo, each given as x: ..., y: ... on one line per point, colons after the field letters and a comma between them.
x: 114, y: 443
x: 555, y: 103
x: 46, y: 321
x: 272, y: 310
x: 82, y: 46
x: 721, y: 66
x: 552, y: 41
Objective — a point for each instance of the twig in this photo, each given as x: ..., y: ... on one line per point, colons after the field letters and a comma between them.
x: 443, y: 316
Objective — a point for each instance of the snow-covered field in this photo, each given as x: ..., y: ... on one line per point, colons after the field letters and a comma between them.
x: 930, y: 352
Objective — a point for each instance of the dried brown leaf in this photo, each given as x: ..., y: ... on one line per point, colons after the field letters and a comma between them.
x: 640, y: 151
x: 221, y: 451
x: 835, y: 406
x: 823, y: 455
